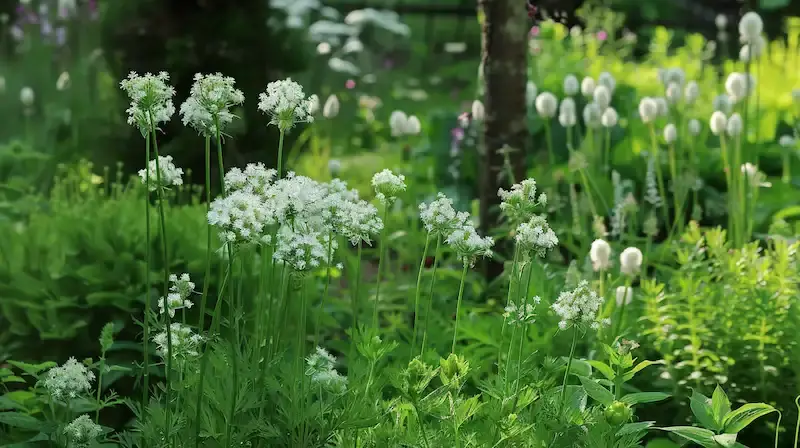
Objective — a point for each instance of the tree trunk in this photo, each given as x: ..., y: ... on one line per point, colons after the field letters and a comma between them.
x: 504, y: 31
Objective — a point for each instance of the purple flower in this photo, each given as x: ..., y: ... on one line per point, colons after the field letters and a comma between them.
x: 457, y: 134
x: 350, y: 84
x: 602, y: 36
x: 534, y: 31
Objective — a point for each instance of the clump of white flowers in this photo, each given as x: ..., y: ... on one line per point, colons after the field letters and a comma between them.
x: 630, y: 261
x: 546, y: 105
x: 535, y: 237
x: 468, y: 245
x: 70, y: 380
x: 718, y: 123
x: 82, y: 431
x: 286, y: 103
x: 356, y: 220
x: 302, y: 251
x: 600, y: 254
x: 151, y: 100
x: 320, y: 367
x: 388, y: 185
x: 577, y: 307
x: 440, y: 218
x: 522, y: 314
x: 609, y: 118
x: 648, y: 109
x: 182, y: 341
x: 208, y: 107
x: 178, y: 297
x: 161, y: 173
x: 241, y: 217
x: 255, y: 178
x: 520, y: 203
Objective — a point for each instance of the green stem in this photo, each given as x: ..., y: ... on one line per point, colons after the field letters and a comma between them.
x: 606, y: 158
x: 458, y: 304
x: 383, y: 244
x: 326, y: 289
x: 797, y: 426
x: 436, y: 256
x: 356, y: 287
x: 726, y: 166
x: 508, y: 302
x: 620, y: 324
x: 280, y: 154
x: 659, y: 173
x: 522, y: 338
x: 417, y: 292
x: 207, y: 275
x: 563, y: 399
x: 676, y: 189
x: 102, y: 369
x: 148, y: 285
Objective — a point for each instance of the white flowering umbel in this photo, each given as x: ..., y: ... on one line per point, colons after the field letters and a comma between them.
x: 70, y: 380
x: 320, y: 367
x: 535, y: 237
x: 151, y: 100
x: 440, y: 218
x: 178, y: 298
x: 170, y: 174
x: 302, y: 251
x: 520, y: 203
x: 286, y: 103
x: 255, y: 179
x: 184, y: 345
x: 468, y: 245
x: 388, y: 185
x: 357, y: 221
x: 578, y: 307
x: 208, y: 107
x: 82, y: 431
x: 240, y: 217
x: 522, y: 314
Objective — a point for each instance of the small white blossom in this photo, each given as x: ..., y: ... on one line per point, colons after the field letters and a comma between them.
x: 303, y: 251
x: 600, y: 254
x: 673, y: 93
x: 71, y: 380
x: 331, y: 107
x: 162, y: 174
x: 648, y: 109
x: 535, y: 237
x: 592, y: 116
x: 579, y: 306
x: 571, y: 85
x: 587, y: 87
x: 737, y: 86
x: 413, y: 126
x: 182, y: 340
x: 694, y: 126
x: 546, y: 105
x: 440, y: 218
x: 522, y: 314
x: 388, y: 185
x: 209, y: 103
x: 357, y: 221
x: 255, y: 178
x: 609, y: 118
x: 662, y: 106
x: 320, y: 367
x: 630, y: 261
x: 670, y: 133
x: 750, y: 26
x: 178, y: 297
x: 754, y: 177
x: 468, y: 245
x: 787, y: 141
x: 240, y: 216
x: 602, y: 97
x: 692, y: 92
x: 151, y: 100
x: 520, y: 203
x: 286, y: 103
x: 734, y: 125
x: 478, y: 111
x: 652, y: 195
x: 82, y: 431
x: 718, y: 123
x: 607, y: 79
x: 398, y: 123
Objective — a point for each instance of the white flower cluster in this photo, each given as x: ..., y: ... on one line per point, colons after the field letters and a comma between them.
x: 388, y: 185
x: 151, y: 100
x: 755, y: 177
x: 600, y: 254
x: 241, y: 217
x: 535, y: 236
x: 652, y: 195
x: 401, y: 124
x: 255, y: 178
x: 183, y: 341
x: 178, y: 298
x: 751, y: 28
x: 302, y: 251
x: 578, y: 307
x: 320, y: 367
x: 286, y: 103
x: 521, y: 314
x: 630, y: 261
x: 82, y: 431
x: 440, y: 218
x: 468, y: 244
x: 164, y: 171
x: 209, y: 103
x: 69, y: 380
x: 519, y: 204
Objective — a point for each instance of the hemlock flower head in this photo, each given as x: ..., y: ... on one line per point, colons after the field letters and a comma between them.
x: 648, y: 109
x: 587, y: 86
x: 600, y: 254
x: 388, y: 185
x: 546, y: 105
x: 255, y: 178
x: 151, y: 100
x: 331, y: 107
x: 535, y: 237
x: 82, y: 431
x: 357, y: 221
x: 320, y: 367
x: 734, y: 125
x: 630, y: 261
x: 184, y: 342
x: 70, y: 380
x: 440, y: 218
x: 303, y: 251
x: 178, y: 297
x: 670, y: 133
x: 240, y: 217
x: 718, y: 123
x: 286, y: 103
x: 170, y: 175
x: 578, y: 307
x: 522, y: 314
x: 624, y: 294
x: 468, y: 245
x: 592, y: 116
x: 609, y: 118
x: 520, y: 203
x: 602, y: 97
x: 209, y: 103
x: 571, y: 85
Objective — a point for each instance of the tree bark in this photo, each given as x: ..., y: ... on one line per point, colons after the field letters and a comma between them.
x: 504, y: 31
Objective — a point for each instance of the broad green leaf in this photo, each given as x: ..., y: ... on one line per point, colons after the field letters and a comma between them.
x: 644, y: 397
x: 773, y: 4
x: 701, y: 408
x: 720, y: 405
x: 662, y: 443
x: 603, y: 368
x: 701, y: 436
x: 13, y: 379
x: 726, y: 440
x: 22, y: 421
x: 737, y: 420
x: 580, y: 368
x: 633, y: 428
x: 644, y: 364
x: 467, y: 409
x: 33, y: 369
x: 596, y: 391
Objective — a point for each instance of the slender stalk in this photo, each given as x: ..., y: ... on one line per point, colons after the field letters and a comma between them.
x: 148, y: 285
x: 100, y: 385
x: 606, y: 155
x: 563, y: 399
x: 325, y: 291
x: 383, y: 243
x: 797, y: 426
x: 659, y: 174
x: 421, y: 425
x: 726, y: 166
x: 436, y: 256
x: 417, y: 291
x: 522, y: 337
x: 207, y: 275
x: 458, y: 304
x: 620, y: 325
x: 514, y: 275
x: 280, y: 154
x: 676, y: 190
x: 356, y: 287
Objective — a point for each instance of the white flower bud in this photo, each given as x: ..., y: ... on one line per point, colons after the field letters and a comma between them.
x: 736, y: 86
x: 413, y: 126
x: 587, y: 87
x: 568, y: 119
x: 609, y: 118
x: 546, y: 105
x: 691, y: 92
x: 478, y: 111
x: 787, y: 141
x: 398, y: 123
x: 323, y: 48
x: 734, y: 125
x: 662, y: 106
x: 592, y: 115
x: 26, y: 96
x: 63, y: 81
x: 607, y: 79
x: 530, y: 92
x: 694, y: 126
x: 571, y: 85
x: 630, y: 261
x: 567, y: 106
x: 648, y: 109
x: 313, y: 104
x: 721, y: 21
x: 670, y: 133
x: 718, y: 122
x: 602, y: 96
x: 335, y: 167
x: 331, y: 107
x: 600, y: 254
x: 750, y: 26
x: 624, y: 295
x: 673, y: 93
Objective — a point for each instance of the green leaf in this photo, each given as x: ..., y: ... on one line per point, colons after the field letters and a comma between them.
x: 644, y: 364
x: 644, y: 397
x: 633, y: 428
x: 773, y: 4
x: 701, y: 436
x: 596, y: 391
x: 33, y: 369
x: 603, y: 368
x: 467, y: 409
x: 720, y: 405
x: 13, y: 379
x: 17, y: 420
x: 580, y: 368
x: 726, y: 440
x: 701, y: 408
x: 739, y: 419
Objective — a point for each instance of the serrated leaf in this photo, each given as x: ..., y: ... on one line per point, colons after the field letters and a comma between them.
x: 603, y: 368
x: 737, y: 420
x: 596, y: 391
x: 644, y: 397
x: 701, y: 408
x: 701, y: 436
x: 467, y: 409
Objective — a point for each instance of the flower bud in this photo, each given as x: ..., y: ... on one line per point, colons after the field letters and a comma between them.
x: 26, y: 96
x: 587, y: 86
x: 63, y: 81
x: 787, y: 141
x: 691, y: 92
x: 592, y: 116
x: 648, y: 109
x: 313, y: 104
x: 718, y: 122
x: 478, y: 111
x: 331, y: 107
x: 736, y: 86
x: 546, y: 104
x: 673, y: 93
x: 734, y: 125
x: 571, y: 85
x: 609, y: 118
x: 602, y: 96
x: 398, y: 123
x: 607, y: 79
x: 600, y: 254
x: 413, y: 126
x: 624, y: 294
x: 670, y: 133
x: 750, y: 26
x: 694, y: 127
x: 630, y: 261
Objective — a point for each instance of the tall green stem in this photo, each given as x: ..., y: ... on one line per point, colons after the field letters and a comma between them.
x: 325, y: 291
x: 383, y: 244
x: 676, y: 189
x: 436, y: 256
x: 417, y: 292
x: 659, y: 174
x: 280, y: 154
x: 148, y: 286
x: 508, y: 302
x: 207, y: 275
x: 563, y: 399
x: 726, y: 166
x: 458, y: 304
x: 356, y: 287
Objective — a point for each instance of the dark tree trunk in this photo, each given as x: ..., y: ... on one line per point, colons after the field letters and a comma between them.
x: 504, y: 76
